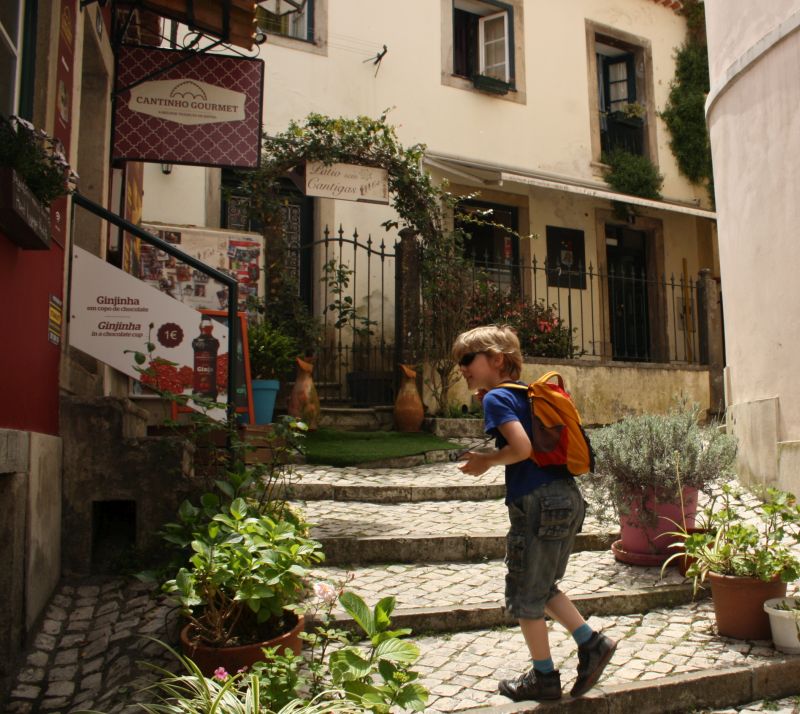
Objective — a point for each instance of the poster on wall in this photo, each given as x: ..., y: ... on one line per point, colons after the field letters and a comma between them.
x: 180, y: 107
x: 146, y: 334
x: 566, y: 258
x: 236, y: 254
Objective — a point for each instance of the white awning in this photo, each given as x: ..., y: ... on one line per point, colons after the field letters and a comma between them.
x: 483, y: 174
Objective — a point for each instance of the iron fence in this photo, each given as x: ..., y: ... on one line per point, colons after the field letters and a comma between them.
x: 620, y: 313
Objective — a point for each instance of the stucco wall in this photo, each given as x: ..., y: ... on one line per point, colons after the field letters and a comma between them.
x: 755, y: 139
x: 606, y: 393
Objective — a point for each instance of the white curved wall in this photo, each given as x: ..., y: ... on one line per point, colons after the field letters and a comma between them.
x: 755, y: 136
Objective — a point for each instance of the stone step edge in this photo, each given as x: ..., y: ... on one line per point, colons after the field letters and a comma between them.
x: 361, y: 550
x: 405, y: 493
x: 424, y: 620
x: 676, y: 693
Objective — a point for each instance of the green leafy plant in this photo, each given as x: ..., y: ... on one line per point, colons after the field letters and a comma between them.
x: 733, y: 546
x: 336, y: 277
x: 659, y: 453
x: 36, y: 157
x: 633, y: 174
x: 634, y: 110
x: 378, y: 676
x: 189, y: 692
x: 272, y: 351
x: 245, y: 572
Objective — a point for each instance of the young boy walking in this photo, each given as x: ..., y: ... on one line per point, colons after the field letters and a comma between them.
x: 546, y: 510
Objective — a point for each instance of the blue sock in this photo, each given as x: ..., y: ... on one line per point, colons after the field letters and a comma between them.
x: 583, y: 634
x: 545, y: 666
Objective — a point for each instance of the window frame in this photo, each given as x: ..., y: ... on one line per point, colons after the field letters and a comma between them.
x: 316, y: 40
x: 507, y: 39
x: 641, y: 49
x: 515, y: 48
x: 15, y: 50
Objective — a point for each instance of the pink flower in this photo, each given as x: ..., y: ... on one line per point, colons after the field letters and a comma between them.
x: 325, y: 592
x: 221, y: 674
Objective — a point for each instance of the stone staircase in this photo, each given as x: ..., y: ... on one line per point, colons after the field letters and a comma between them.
x: 434, y: 539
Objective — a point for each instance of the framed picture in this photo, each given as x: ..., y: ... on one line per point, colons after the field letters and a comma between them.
x: 566, y: 258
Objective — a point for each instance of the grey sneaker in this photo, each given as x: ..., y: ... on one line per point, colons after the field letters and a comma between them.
x: 593, y: 656
x: 532, y: 685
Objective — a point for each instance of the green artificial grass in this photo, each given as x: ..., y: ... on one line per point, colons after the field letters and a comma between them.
x: 347, y: 448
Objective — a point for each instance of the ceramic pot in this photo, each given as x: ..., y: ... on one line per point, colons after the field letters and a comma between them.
x: 208, y: 657
x: 409, y: 411
x: 264, y: 393
x: 303, y: 402
x: 739, y: 605
x: 784, y: 624
x: 645, y: 539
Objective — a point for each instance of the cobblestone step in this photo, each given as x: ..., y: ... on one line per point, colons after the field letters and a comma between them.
x: 398, y: 484
x: 668, y: 660
x: 445, y: 597
x: 429, y: 531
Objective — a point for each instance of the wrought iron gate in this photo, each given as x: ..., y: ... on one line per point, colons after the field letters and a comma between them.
x: 353, y: 294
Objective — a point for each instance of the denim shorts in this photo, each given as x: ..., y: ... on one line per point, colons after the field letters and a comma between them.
x: 539, y: 542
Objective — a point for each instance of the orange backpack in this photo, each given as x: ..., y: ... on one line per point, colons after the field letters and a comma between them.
x: 558, y: 437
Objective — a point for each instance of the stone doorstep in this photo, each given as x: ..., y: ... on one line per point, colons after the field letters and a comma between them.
x: 309, y: 491
x: 678, y: 693
x: 493, y: 614
x: 353, y: 550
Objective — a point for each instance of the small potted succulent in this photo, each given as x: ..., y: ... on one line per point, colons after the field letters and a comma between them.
x: 33, y: 172
x: 650, y: 468
x: 784, y: 622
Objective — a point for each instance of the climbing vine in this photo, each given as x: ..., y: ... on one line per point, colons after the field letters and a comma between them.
x: 684, y: 113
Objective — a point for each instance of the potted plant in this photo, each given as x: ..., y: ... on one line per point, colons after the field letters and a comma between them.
x: 784, y: 623
x: 746, y: 563
x: 650, y: 469
x: 250, y: 552
x: 272, y: 354
x: 33, y: 172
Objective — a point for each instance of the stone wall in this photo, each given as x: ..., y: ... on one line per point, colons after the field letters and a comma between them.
x: 606, y: 392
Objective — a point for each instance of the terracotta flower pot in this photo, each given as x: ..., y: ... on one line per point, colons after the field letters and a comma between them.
x: 739, y: 605
x: 232, y: 659
x: 409, y: 412
x: 644, y: 541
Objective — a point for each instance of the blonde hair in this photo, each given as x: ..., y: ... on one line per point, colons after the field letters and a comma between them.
x: 493, y: 340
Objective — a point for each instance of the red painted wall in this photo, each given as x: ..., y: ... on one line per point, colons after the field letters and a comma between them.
x: 29, y: 362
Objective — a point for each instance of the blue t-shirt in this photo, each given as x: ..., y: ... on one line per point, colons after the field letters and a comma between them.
x: 501, y: 406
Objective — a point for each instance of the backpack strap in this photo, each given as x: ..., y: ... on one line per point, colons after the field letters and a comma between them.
x: 550, y: 375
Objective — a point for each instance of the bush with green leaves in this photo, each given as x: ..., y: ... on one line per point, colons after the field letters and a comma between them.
x: 245, y: 573
x: 733, y: 546
x: 659, y: 453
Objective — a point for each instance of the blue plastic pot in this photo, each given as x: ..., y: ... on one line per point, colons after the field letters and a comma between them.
x: 264, y: 393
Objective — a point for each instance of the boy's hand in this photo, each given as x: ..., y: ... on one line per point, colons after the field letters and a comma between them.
x: 477, y: 463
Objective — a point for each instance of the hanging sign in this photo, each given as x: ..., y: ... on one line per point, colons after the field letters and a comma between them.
x: 179, y: 107
x: 347, y: 181
x: 146, y: 334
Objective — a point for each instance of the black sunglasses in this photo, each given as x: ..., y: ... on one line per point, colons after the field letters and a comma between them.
x: 467, y: 359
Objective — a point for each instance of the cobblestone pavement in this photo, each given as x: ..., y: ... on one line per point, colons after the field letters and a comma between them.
x: 459, y: 584
x: 461, y: 670
x: 431, y: 518
x: 87, y: 651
